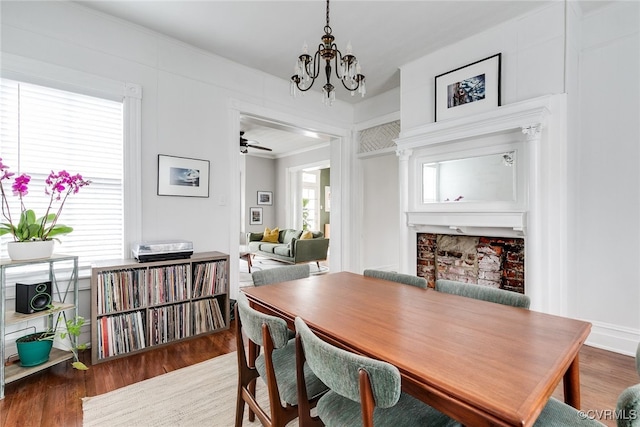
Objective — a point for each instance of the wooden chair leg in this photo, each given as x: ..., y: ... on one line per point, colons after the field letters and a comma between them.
x: 239, y: 407
x: 252, y: 390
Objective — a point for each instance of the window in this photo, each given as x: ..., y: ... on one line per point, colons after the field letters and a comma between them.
x: 45, y: 129
x: 310, y: 200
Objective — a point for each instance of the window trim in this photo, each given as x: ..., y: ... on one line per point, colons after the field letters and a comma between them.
x: 28, y: 70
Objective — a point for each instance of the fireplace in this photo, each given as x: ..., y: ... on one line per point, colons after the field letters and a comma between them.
x: 477, y: 227
x: 487, y: 261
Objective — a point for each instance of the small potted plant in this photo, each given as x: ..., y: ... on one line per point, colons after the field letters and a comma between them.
x: 34, y: 348
x: 30, y: 229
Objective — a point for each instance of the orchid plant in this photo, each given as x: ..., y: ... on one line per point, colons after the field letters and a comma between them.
x: 59, y: 186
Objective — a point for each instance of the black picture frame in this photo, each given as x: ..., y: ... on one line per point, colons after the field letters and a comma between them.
x: 470, y: 89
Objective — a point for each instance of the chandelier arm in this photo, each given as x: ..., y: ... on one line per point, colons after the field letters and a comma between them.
x: 350, y: 89
x: 302, y: 89
x: 316, y: 64
x: 312, y: 73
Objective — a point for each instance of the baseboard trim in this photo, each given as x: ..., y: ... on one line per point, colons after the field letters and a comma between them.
x: 614, y: 338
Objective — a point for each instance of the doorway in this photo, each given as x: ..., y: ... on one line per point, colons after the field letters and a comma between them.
x: 291, y: 166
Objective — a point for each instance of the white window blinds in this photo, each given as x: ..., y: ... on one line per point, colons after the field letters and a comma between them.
x: 44, y: 129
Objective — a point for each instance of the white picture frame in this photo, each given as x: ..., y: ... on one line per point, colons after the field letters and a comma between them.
x: 255, y: 216
x: 265, y: 198
x: 182, y: 176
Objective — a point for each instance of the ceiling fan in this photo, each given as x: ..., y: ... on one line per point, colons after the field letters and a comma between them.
x: 245, y: 144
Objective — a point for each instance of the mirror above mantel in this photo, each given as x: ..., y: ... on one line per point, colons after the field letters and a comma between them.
x: 471, y: 175
x: 485, y: 174
x: 479, y: 179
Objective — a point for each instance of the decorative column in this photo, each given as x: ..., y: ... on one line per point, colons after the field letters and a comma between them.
x: 406, y: 248
x: 536, y: 261
x: 132, y: 105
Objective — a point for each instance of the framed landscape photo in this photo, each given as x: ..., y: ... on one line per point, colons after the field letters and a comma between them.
x: 471, y: 89
x: 255, y: 216
x: 265, y: 197
x: 181, y: 176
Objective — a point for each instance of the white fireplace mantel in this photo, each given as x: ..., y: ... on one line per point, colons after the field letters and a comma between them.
x: 525, y: 115
x: 538, y: 127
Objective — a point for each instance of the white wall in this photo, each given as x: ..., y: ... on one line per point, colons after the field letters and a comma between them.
x: 600, y: 74
x: 189, y: 97
x: 380, y: 217
x: 186, y: 93
x: 260, y: 176
x: 532, y: 48
x: 376, y: 182
x: 605, y: 252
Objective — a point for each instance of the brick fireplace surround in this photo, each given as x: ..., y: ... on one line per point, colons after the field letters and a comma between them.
x: 488, y: 261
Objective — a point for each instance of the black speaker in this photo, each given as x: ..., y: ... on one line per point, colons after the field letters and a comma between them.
x: 32, y: 297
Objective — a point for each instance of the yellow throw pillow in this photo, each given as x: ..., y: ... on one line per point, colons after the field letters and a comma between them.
x: 306, y: 235
x: 271, y: 236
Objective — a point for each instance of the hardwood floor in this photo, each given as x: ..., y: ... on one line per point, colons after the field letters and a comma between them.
x: 53, y: 397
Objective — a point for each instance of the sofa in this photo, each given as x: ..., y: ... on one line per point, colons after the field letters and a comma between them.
x: 290, y: 247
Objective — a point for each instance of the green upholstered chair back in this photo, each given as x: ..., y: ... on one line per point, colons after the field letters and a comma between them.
x: 638, y: 359
x: 339, y: 369
x: 628, y: 406
x: 280, y: 274
x: 407, y: 279
x: 484, y: 293
x: 252, y: 321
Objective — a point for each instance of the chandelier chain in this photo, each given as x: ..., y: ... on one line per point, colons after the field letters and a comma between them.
x: 328, y: 14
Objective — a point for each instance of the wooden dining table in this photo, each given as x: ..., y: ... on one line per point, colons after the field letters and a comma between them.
x: 478, y: 362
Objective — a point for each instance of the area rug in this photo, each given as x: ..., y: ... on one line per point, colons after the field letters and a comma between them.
x: 203, y: 394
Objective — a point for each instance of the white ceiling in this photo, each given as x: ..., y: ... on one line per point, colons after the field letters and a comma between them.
x: 268, y: 35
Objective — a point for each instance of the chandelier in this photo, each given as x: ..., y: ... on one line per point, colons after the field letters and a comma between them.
x: 347, y: 68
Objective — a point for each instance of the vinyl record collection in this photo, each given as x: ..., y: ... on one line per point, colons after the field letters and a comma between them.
x: 141, y: 307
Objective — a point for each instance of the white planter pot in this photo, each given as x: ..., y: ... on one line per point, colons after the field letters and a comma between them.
x: 23, y: 251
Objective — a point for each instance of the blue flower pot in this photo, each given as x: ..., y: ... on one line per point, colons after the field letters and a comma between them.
x: 33, y: 352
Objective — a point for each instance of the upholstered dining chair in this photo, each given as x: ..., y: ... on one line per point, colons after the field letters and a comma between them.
x: 362, y: 391
x: 557, y: 413
x: 484, y: 293
x: 280, y: 274
x: 407, y: 279
x: 276, y: 366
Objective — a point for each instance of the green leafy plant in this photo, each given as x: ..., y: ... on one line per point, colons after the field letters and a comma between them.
x: 74, y: 327
x: 59, y: 186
